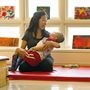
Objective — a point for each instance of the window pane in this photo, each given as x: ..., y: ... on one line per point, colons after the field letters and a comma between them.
x: 49, y: 29
x: 52, y: 29
x: 76, y: 31
x: 76, y: 3
x: 10, y: 32
x: 9, y: 36
x: 53, y: 4
x: 14, y: 3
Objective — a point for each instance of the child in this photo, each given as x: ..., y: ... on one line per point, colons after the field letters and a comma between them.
x: 36, y: 54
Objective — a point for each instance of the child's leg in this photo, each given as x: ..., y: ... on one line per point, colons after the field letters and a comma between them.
x: 14, y: 60
x: 19, y: 60
x: 33, y: 58
x: 21, y: 52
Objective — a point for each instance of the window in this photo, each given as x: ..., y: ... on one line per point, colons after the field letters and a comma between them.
x: 76, y: 3
x: 54, y: 10
x: 76, y: 31
x: 59, y: 9
x: 52, y: 29
x: 9, y: 32
x: 11, y: 3
x: 9, y: 36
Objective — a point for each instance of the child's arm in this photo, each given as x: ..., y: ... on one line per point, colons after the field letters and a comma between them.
x: 51, y: 44
x: 38, y: 47
x: 41, y: 46
x: 55, y: 44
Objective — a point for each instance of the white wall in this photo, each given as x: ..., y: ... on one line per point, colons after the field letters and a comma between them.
x: 72, y: 57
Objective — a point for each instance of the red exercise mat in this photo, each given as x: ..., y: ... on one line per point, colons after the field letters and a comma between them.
x: 58, y: 74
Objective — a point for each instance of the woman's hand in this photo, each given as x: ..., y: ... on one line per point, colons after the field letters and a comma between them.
x: 51, y: 44
x: 47, y: 45
x: 30, y: 56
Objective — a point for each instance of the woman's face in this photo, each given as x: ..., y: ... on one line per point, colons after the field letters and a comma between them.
x: 42, y: 22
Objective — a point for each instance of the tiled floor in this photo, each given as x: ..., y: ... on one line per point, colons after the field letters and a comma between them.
x: 45, y: 85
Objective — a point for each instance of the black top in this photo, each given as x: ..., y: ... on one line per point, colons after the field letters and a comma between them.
x: 32, y: 41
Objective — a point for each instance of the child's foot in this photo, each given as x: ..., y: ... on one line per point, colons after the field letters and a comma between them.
x: 11, y: 69
x: 14, y: 61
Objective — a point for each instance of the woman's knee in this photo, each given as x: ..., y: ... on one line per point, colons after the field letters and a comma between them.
x: 46, y: 66
x: 25, y: 67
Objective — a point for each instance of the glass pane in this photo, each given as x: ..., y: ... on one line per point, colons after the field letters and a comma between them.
x: 9, y: 36
x: 76, y: 31
x: 14, y: 3
x: 49, y: 29
x: 10, y: 32
x: 52, y: 29
x: 53, y: 4
x: 76, y: 3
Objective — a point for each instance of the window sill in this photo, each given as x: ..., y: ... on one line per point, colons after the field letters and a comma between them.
x: 7, y: 49
x: 10, y: 49
x: 72, y: 51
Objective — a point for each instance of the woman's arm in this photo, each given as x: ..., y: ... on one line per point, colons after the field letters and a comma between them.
x: 24, y: 43
x: 21, y: 51
x: 51, y: 44
x: 41, y: 47
x: 38, y: 47
x: 55, y: 44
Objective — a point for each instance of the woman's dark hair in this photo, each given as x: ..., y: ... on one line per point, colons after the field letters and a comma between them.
x: 34, y: 23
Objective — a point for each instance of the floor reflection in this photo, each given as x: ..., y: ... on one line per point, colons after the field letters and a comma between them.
x: 45, y: 85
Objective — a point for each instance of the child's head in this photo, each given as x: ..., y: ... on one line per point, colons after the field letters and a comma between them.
x: 56, y: 36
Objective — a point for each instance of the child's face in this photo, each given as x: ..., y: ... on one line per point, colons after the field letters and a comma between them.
x: 53, y: 36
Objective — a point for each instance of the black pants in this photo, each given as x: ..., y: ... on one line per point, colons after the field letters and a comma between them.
x: 45, y: 66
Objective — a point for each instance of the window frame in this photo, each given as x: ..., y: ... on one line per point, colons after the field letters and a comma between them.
x: 63, y: 22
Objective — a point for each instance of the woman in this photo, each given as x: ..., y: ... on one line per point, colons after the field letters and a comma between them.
x: 35, y: 32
